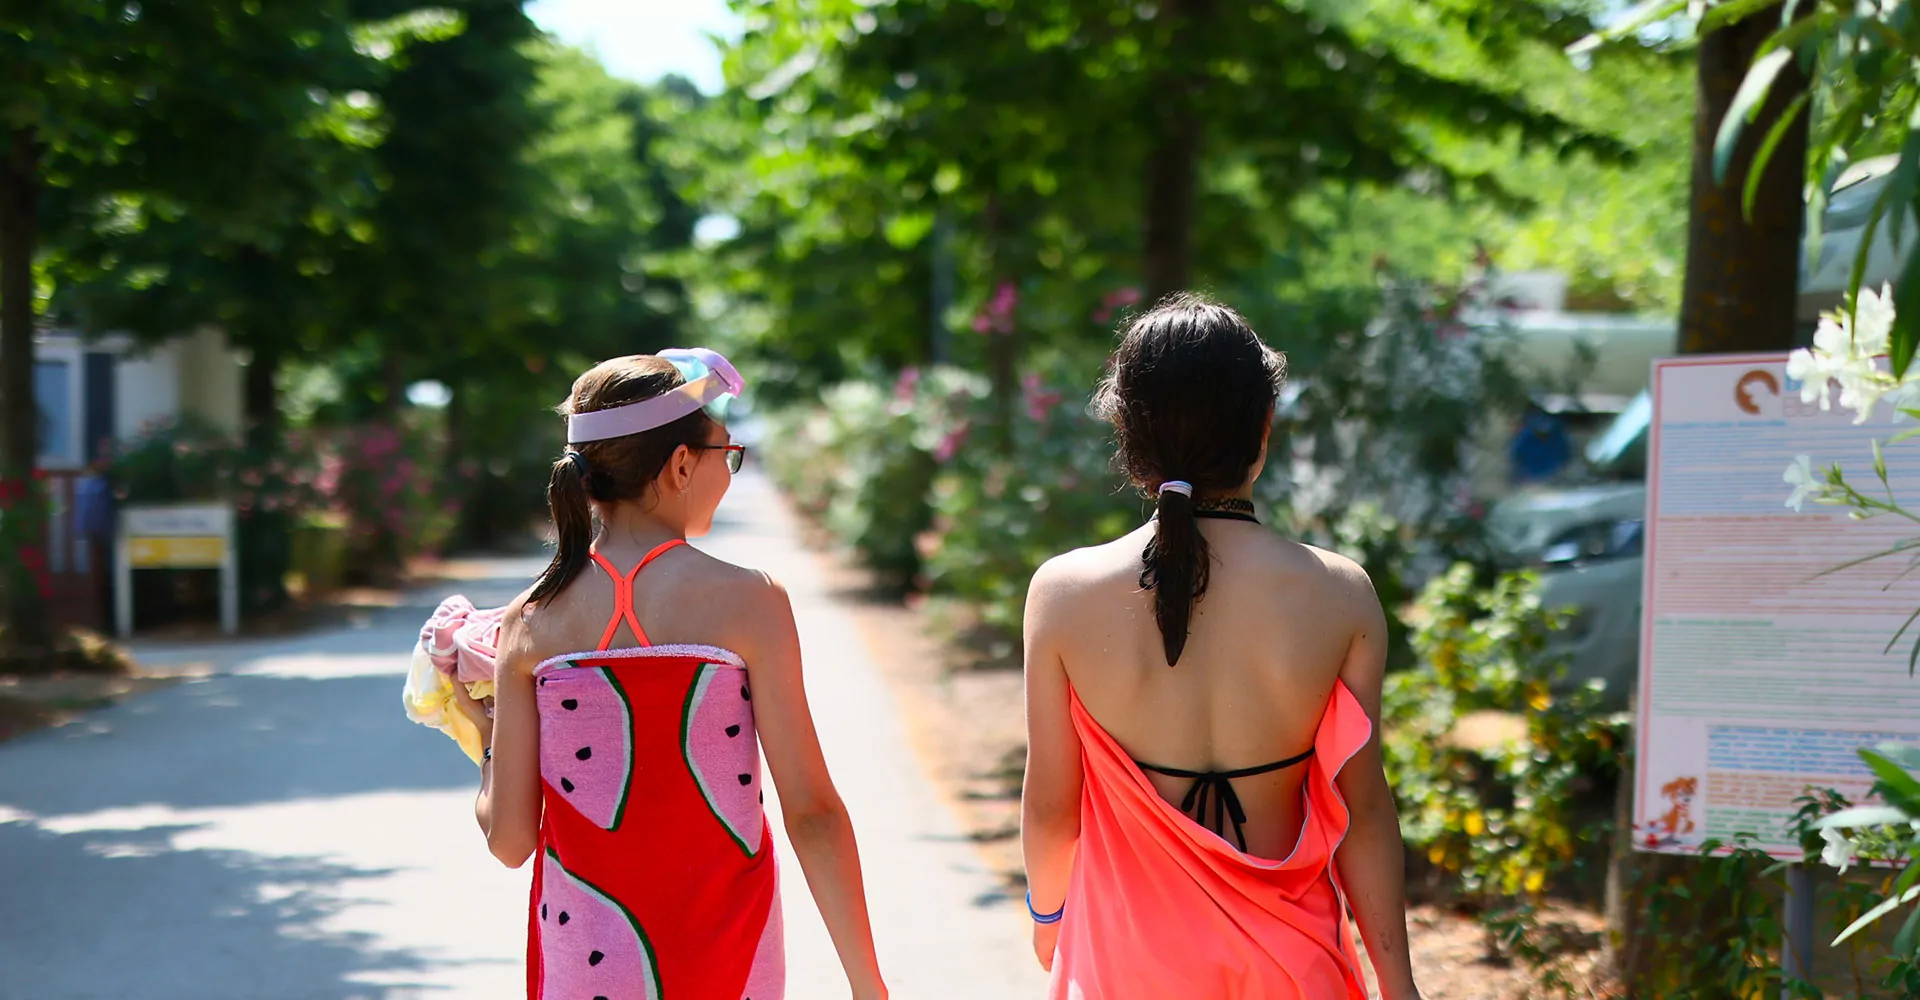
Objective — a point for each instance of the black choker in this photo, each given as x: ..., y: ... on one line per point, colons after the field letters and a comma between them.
x: 1234, y: 504
x: 1226, y: 515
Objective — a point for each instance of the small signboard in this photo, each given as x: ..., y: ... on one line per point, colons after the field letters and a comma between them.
x: 177, y: 536
x: 1764, y: 666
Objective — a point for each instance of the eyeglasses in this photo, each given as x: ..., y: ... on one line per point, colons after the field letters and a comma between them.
x: 736, y: 454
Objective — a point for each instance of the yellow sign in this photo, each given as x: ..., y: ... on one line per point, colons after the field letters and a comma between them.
x: 176, y: 553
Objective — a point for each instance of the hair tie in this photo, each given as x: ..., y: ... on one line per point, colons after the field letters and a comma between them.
x: 1181, y: 487
x: 579, y: 463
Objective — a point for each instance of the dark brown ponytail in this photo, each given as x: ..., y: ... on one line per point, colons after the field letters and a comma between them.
x: 610, y: 471
x: 1190, y: 394
x: 1176, y: 564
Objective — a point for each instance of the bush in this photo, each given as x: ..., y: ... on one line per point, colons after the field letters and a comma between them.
x: 1505, y: 819
x: 1509, y: 820
x: 1006, y: 500
x: 388, y: 479
x: 862, y: 464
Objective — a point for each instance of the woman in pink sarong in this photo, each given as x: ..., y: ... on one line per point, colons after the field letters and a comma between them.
x: 1204, y: 797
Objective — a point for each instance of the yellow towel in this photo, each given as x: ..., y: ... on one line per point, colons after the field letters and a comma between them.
x: 429, y: 700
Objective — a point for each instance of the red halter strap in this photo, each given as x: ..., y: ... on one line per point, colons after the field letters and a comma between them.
x: 623, y: 593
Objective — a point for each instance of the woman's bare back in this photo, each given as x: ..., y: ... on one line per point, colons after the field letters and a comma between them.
x: 1266, y: 645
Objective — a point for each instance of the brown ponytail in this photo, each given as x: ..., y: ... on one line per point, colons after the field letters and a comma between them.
x: 613, y: 470
x: 1190, y: 394
x: 567, y: 494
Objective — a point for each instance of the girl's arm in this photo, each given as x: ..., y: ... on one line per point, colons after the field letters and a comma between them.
x: 816, y: 819
x: 1372, y: 860
x: 1050, y: 795
x: 508, y: 806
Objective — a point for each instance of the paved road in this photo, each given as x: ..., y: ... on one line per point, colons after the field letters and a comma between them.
x: 279, y: 830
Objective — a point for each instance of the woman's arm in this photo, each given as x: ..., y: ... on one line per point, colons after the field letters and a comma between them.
x: 1372, y: 860
x: 816, y: 819
x: 508, y: 806
x: 1050, y: 796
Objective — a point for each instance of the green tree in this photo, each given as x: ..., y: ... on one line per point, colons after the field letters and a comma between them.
x: 1056, y: 149
x: 133, y: 111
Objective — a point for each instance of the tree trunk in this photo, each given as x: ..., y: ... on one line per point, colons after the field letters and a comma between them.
x: 19, y: 413
x: 1003, y: 346
x: 1742, y: 277
x: 1171, y: 174
x: 1173, y: 164
x: 1739, y: 295
x: 393, y: 380
x: 264, y: 424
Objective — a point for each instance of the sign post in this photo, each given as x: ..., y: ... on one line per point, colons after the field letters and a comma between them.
x: 1796, y: 952
x: 176, y: 536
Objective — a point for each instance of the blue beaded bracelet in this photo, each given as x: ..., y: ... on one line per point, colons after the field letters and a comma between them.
x: 1044, y: 918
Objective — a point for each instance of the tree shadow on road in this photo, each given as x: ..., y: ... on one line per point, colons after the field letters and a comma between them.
x: 232, y: 741
x: 130, y: 916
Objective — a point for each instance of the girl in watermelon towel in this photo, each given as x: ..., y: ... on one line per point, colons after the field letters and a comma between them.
x: 635, y: 684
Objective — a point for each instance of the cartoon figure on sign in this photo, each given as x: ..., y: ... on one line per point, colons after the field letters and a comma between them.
x: 1677, y: 821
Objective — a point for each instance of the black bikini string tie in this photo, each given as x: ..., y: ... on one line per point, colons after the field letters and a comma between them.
x: 1215, y: 789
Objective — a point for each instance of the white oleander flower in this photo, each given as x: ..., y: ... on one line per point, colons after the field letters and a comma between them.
x: 1815, y: 371
x: 1873, y: 322
x: 1838, y: 850
x: 1799, y: 475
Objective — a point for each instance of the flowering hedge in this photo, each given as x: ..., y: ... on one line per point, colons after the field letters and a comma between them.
x: 24, y: 508
x: 382, y: 478
x: 390, y: 483
x: 930, y: 488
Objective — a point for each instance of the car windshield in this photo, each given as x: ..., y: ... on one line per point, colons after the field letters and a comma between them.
x: 1620, y: 451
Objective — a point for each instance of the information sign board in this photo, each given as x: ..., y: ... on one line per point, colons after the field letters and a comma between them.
x: 1763, y: 666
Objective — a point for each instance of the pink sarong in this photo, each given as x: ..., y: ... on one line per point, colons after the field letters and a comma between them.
x: 1159, y: 906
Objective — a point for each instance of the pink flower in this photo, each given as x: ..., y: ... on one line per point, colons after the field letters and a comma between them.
x: 997, y: 315
x: 1119, y: 298
x: 1039, y: 404
x: 950, y: 445
x: 904, y: 386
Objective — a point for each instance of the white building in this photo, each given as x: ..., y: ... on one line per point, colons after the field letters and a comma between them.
x: 107, y: 390
x: 93, y: 394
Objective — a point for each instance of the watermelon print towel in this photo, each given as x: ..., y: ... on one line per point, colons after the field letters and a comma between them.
x: 656, y: 876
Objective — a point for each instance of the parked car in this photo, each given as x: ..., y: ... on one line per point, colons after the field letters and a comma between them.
x: 1587, y: 543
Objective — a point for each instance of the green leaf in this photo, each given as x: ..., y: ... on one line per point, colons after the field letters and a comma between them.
x: 1903, y: 942
x: 1764, y: 154
x: 1746, y: 103
x: 1643, y: 14
x: 1906, y: 879
x: 1896, y: 785
x: 1906, y: 304
x: 1733, y: 11
x: 909, y: 228
x: 1859, y: 271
